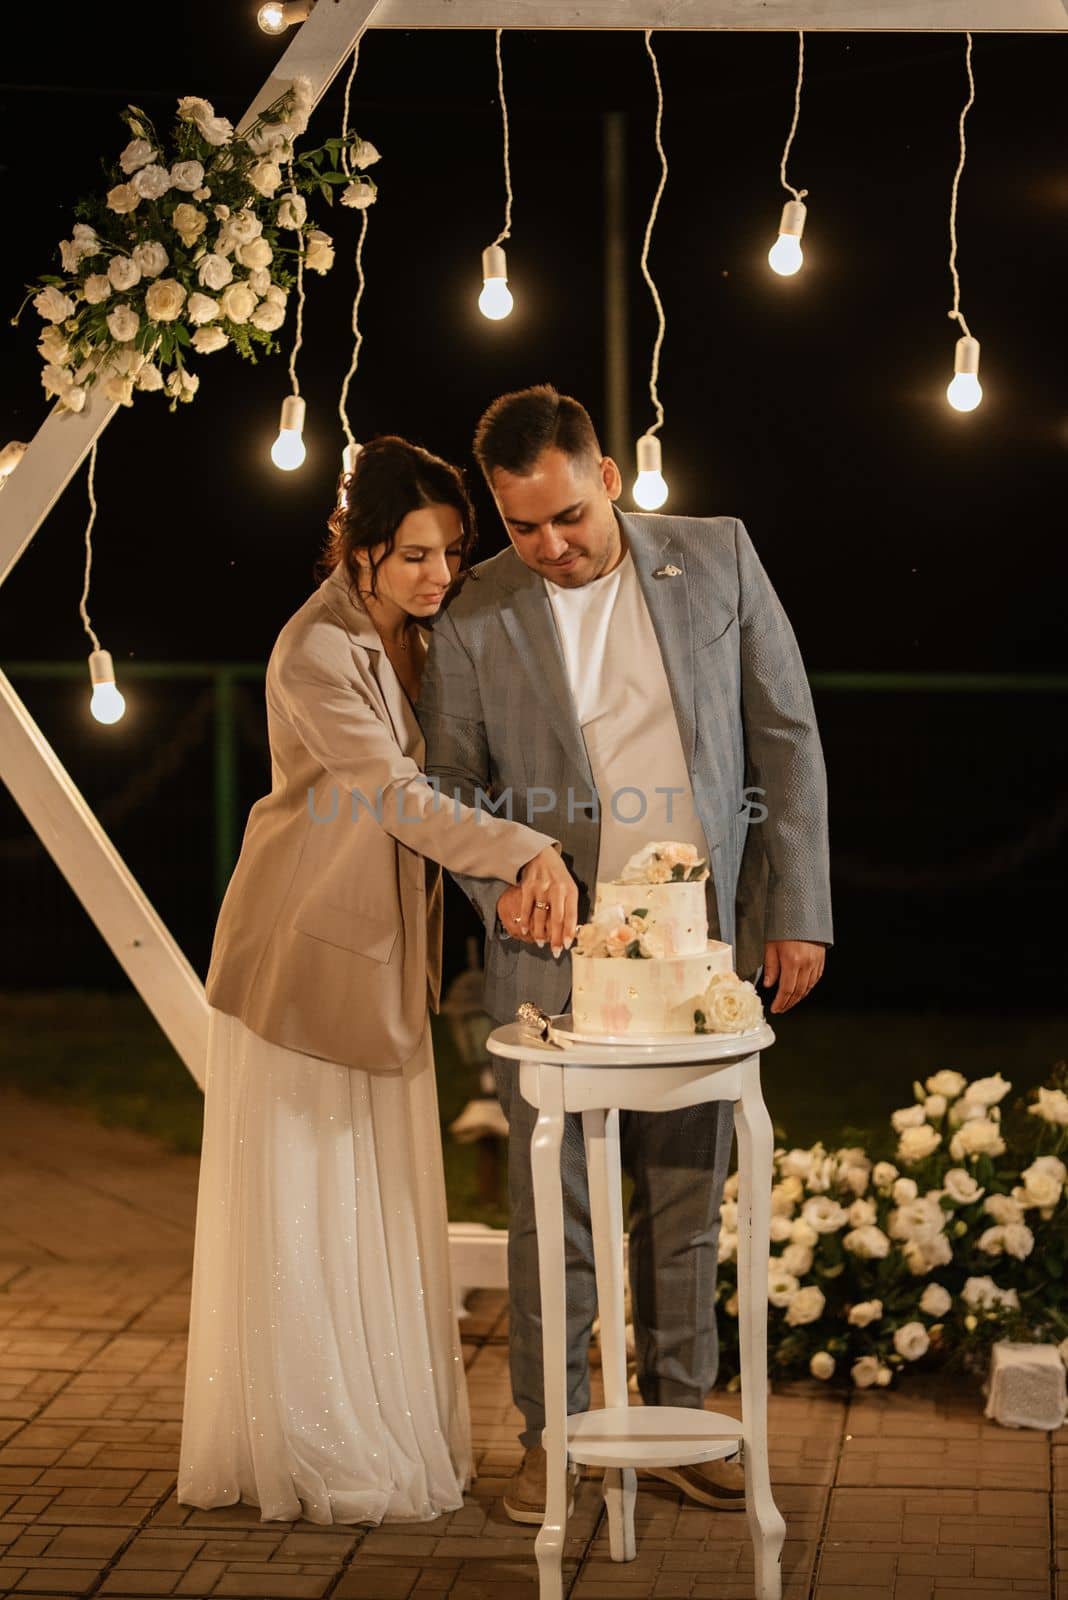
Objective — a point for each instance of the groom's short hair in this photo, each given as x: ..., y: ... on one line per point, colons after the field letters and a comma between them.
x: 518, y: 427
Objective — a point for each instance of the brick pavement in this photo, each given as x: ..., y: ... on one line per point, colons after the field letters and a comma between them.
x: 904, y: 1496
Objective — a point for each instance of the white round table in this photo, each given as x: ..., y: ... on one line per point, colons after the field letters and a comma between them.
x: 599, y: 1081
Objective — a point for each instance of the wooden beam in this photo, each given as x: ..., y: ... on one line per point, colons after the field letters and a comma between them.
x: 92, y: 866
x: 845, y: 16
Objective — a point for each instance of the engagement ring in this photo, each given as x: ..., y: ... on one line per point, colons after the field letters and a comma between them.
x: 541, y: 905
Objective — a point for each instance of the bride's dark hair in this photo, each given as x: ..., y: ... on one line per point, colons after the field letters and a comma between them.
x: 391, y: 477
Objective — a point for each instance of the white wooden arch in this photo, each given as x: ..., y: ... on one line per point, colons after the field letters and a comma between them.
x: 29, y: 766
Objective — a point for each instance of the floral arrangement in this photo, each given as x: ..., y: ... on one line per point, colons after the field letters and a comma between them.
x: 614, y: 932
x: 665, y: 862
x: 960, y: 1240
x: 195, y: 247
x: 731, y: 1005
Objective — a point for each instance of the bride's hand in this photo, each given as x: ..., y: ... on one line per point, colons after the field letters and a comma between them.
x: 548, y: 905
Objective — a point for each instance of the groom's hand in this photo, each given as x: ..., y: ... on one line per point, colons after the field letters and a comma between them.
x: 796, y: 966
x: 510, y: 914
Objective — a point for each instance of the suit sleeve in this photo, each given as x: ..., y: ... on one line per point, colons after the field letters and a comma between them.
x: 343, y: 731
x: 457, y: 752
x: 783, y: 757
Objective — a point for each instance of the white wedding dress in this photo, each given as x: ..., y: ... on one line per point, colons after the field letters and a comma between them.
x: 325, y: 1376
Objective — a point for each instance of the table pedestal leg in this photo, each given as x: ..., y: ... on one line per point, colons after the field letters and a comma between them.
x: 549, y: 1214
x: 600, y: 1131
x: 755, y: 1145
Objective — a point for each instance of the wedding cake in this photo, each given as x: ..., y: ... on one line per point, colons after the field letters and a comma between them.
x: 645, y: 966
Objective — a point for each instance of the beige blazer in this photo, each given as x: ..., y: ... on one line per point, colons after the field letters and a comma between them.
x: 329, y: 937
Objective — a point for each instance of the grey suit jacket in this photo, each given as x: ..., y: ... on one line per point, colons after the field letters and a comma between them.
x: 498, y: 716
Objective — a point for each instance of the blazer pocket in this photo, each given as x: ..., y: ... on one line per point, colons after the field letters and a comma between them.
x: 348, y: 929
x: 715, y: 637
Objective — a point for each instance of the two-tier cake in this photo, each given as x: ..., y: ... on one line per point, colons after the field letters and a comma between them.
x: 645, y: 966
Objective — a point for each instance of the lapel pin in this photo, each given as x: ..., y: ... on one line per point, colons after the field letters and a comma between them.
x: 668, y: 572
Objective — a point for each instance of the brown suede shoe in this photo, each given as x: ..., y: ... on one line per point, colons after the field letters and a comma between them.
x: 720, y: 1484
x: 524, y: 1498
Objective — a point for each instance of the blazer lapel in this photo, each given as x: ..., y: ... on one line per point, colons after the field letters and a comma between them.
x: 528, y: 618
x: 367, y: 646
x: 667, y: 596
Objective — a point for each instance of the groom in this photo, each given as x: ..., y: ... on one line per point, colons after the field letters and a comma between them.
x: 616, y: 679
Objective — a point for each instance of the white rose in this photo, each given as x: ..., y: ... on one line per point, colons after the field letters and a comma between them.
x: 292, y: 212
x: 965, y: 1111
x: 118, y: 390
x: 916, y: 1144
x: 822, y: 1175
x: 862, y: 1212
x: 806, y: 1306
x: 728, y: 1246
x: 207, y: 340
x: 1043, y: 1182
x: 865, y: 1313
x: 213, y: 130
x: 244, y: 226
x: 361, y: 194
x: 257, y: 253
x: 934, y: 1107
x: 237, y: 302
x: 1003, y: 1208
x: 123, y: 273
x: 259, y: 281
x: 123, y: 199
x: 52, y: 305
x: 935, y: 1301
x: 981, y: 1293
x: 214, y: 272
x: 728, y: 1214
x: 53, y: 346
x: 1018, y: 1240
x: 883, y: 1175
x: 201, y: 308
x: 138, y: 153
x: 731, y: 1187
x: 865, y: 1372
x: 793, y: 1189
x: 265, y: 177
x: 318, y: 252
x: 96, y: 288
x: 56, y: 380
x: 904, y: 1190
x: 187, y: 176
x: 923, y: 1255
x: 731, y: 1006
x: 907, y: 1117
x: 962, y: 1187
x: 780, y: 1229
x: 273, y: 139
x: 127, y: 362
x: 884, y: 1377
x: 182, y: 385
x: 189, y: 223
x: 919, y: 1219
x: 912, y: 1340
x: 796, y: 1163
x: 987, y: 1091
x: 797, y: 1258
x: 149, y: 378
x: 977, y: 1137
x: 869, y: 1243
x: 948, y: 1083
x: 151, y: 258
x: 75, y: 398
x: 821, y: 1365
x: 802, y: 1232
x: 123, y: 323
x: 782, y: 1286
x: 824, y: 1214
x: 854, y: 1177
x: 365, y: 155
x: 164, y: 299
x: 152, y: 183
x: 1052, y: 1107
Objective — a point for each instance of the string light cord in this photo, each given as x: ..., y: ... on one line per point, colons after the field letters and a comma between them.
x: 506, y: 231
x: 83, y: 604
x: 798, y: 194
x: 298, y: 338
x: 654, y: 372
x: 955, y: 314
x: 346, y: 166
x: 357, y: 332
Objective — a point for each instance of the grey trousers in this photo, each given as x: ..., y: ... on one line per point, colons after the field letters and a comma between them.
x: 678, y: 1161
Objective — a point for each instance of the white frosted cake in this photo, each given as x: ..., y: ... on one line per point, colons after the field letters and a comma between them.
x: 645, y: 966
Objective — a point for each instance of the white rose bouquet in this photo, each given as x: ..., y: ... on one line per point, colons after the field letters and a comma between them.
x: 194, y: 247
x: 960, y: 1240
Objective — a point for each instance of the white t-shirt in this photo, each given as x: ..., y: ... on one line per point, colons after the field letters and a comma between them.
x: 625, y: 711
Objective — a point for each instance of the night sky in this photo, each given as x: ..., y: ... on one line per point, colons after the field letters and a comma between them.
x: 900, y: 535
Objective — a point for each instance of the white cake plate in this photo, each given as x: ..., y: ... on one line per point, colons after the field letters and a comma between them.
x: 685, y: 1044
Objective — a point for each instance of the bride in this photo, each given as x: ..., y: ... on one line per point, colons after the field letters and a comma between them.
x: 325, y: 1376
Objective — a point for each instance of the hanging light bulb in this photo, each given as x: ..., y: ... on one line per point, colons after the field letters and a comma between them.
x: 278, y: 15
x: 650, y: 487
x: 785, y: 256
x: 288, y: 450
x: 495, y: 301
x: 107, y: 704
x: 965, y: 391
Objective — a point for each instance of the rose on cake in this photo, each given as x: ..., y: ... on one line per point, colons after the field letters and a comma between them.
x: 614, y: 932
x: 665, y: 861
x: 730, y: 1005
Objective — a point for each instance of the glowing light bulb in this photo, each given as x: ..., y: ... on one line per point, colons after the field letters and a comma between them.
x: 785, y: 256
x: 650, y: 487
x: 965, y: 391
x: 278, y: 15
x: 107, y: 704
x: 495, y: 301
x: 288, y: 450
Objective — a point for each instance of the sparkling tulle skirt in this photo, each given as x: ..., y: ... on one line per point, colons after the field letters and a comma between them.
x: 325, y: 1376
